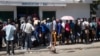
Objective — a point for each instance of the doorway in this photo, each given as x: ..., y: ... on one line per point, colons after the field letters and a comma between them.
x: 27, y: 11
x: 4, y: 15
x: 49, y: 14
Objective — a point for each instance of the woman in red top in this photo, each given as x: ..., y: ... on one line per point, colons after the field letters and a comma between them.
x: 67, y: 31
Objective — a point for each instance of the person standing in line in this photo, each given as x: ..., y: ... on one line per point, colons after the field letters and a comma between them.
x: 44, y: 31
x: 28, y: 31
x: 17, y: 25
x: 59, y: 30
x: 72, y: 32
x: 98, y: 30
x: 9, y: 29
x: 53, y: 34
x: 93, y: 26
x: 67, y: 31
x: 77, y: 31
x: 85, y: 29
x: 63, y: 33
x: 48, y: 24
x: 23, y: 26
x: 1, y: 34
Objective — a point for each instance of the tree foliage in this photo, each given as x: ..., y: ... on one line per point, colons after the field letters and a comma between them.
x: 94, y: 6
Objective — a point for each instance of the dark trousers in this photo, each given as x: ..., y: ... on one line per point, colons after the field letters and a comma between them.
x: 28, y: 41
x: 43, y: 38
x: 85, y: 36
x: 98, y: 34
x: 22, y: 40
x: 77, y: 36
x: 0, y: 42
x: 10, y: 47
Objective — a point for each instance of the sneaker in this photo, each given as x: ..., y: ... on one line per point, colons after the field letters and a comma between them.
x: 13, y: 54
x: 30, y: 52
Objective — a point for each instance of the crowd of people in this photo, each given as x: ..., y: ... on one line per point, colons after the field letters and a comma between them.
x: 28, y: 32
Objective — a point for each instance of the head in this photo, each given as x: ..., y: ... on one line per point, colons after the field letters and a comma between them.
x: 9, y: 21
x: 48, y: 19
x: 81, y: 20
x: 71, y: 21
x: 57, y: 20
x: 66, y: 21
x: 53, y: 18
x: 1, y: 21
x: 43, y: 22
x: 85, y: 19
x: 60, y: 21
x: 23, y: 21
x: 29, y: 21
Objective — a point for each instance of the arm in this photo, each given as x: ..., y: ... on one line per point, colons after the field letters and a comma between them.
x: 32, y: 28
x: 4, y: 28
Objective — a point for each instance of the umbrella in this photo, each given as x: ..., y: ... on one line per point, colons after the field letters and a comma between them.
x: 67, y: 18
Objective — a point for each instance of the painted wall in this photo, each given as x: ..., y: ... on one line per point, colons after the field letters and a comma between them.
x: 74, y: 10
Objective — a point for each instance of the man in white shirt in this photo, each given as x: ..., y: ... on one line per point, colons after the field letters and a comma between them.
x: 9, y: 29
x: 84, y: 24
x: 29, y: 27
x: 28, y: 30
x: 22, y: 28
x: 85, y: 29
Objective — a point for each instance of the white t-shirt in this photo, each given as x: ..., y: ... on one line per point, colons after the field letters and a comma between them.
x: 9, y: 29
x: 85, y: 23
x: 23, y: 26
x: 29, y: 28
x: 54, y: 25
x: 63, y: 24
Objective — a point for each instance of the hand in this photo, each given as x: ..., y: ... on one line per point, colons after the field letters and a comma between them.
x: 60, y: 35
x: 40, y: 35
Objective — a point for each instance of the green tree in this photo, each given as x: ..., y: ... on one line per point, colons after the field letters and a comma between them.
x: 94, y: 6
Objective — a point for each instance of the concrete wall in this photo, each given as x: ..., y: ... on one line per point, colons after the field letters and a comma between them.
x: 74, y: 10
x: 9, y: 8
x: 52, y: 1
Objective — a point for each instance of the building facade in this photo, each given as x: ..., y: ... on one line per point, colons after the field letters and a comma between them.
x: 44, y: 8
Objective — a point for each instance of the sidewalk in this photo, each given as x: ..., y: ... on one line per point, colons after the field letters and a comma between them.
x: 61, y: 47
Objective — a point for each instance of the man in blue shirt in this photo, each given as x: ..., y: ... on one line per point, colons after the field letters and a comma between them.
x: 9, y: 29
x: 48, y: 24
x: 59, y: 30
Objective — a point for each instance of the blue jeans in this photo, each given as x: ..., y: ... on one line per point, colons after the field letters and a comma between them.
x: 36, y: 34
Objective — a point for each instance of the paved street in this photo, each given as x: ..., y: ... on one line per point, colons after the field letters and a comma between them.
x: 81, y: 52
x: 87, y: 52
x: 92, y: 49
